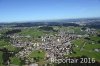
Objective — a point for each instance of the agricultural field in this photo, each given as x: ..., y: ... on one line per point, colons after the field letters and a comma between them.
x: 88, y: 49
x: 82, y: 46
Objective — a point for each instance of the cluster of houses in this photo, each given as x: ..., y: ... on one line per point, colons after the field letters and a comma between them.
x: 91, y: 31
x: 56, y: 46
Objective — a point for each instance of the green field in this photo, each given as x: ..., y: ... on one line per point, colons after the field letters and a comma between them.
x: 88, y: 49
x: 37, y: 53
x: 15, y: 60
x: 32, y: 32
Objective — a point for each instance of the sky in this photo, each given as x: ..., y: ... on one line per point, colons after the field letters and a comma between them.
x: 28, y: 10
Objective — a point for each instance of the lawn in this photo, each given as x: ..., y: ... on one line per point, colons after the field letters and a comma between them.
x: 77, y: 30
x: 32, y: 32
x: 95, y: 38
x: 37, y: 53
x: 38, y: 56
x: 1, y: 60
x: 5, y: 44
x: 88, y: 49
x: 35, y: 32
x: 15, y: 60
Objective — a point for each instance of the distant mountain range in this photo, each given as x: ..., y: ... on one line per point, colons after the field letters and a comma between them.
x: 89, y: 22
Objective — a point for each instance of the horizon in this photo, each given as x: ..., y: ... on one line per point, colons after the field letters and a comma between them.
x: 37, y: 10
x: 49, y: 20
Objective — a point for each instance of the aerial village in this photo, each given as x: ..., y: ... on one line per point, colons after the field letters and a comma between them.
x: 55, y: 46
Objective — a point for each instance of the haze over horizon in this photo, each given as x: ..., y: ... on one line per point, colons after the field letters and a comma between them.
x: 28, y: 10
